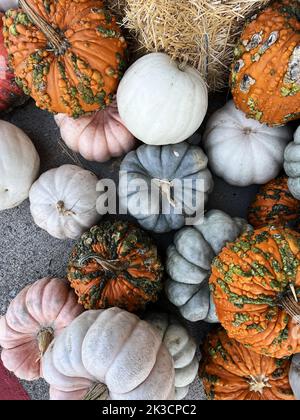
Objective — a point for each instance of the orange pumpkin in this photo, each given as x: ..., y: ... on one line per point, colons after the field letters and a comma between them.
x: 274, y: 205
x: 230, y: 371
x: 265, y: 74
x: 115, y: 264
x: 255, y: 283
x: 68, y: 55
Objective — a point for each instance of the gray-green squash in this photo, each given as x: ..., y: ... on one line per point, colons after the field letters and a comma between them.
x: 294, y: 375
x: 164, y: 169
x: 292, y: 164
x: 189, y: 261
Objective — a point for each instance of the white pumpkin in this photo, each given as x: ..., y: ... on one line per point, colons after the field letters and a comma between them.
x: 292, y: 165
x: 161, y: 103
x: 189, y: 261
x: 181, y: 346
x: 110, y: 347
x: 63, y: 201
x: 242, y: 151
x: 8, y: 4
x: 19, y: 165
x: 294, y: 375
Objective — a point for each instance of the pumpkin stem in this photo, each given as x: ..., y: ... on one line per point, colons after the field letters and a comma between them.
x: 97, y: 392
x: 62, y: 210
x: 114, y: 266
x: 44, y: 338
x: 58, y: 43
x: 165, y: 187
x: 289, y: 302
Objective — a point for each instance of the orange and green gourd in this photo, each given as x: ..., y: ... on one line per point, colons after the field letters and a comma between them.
x: 68, y: 55
x: 231, y: 371
x: 275, y: 205
x: 255, y: 283
x: 265, y: 76
x: 115, y: 264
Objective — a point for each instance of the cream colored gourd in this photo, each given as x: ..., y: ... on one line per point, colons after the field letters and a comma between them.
x: 294, y: 375
x: 63, y: 201
x: 19, y: 165
x: 242, y: 151
x: 8, y: 4
x: 292, y: 164
x: 36, y: 315
x: 161, y: 103
x: 181, y: 346
x: 114, y: 348
x: 97, y: 137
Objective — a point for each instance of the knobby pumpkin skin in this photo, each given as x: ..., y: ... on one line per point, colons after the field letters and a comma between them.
x: 230, y: 371
x: 76, y: 68
x: 274, y: 205
x: 265, y: 74
x: 115, y: 264
x: 251, y: 282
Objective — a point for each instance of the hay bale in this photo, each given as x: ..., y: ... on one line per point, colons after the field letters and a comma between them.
x: 199, y: 32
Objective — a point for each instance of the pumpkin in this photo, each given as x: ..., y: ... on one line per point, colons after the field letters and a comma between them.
x: 10, y: 93
x: 19, y: 165
x: 69, y: 56
x: 97, y: 137
x: 8, y: 4
x: 231, y: 371
x: 294, y: 375
x: 115, y: 264
x: 265, y: 73
x: 274, y: 205
x: 189, y: 259
x: 181, y: 346
x: 255, y: 283
x: 160, y: 101
x: 109, y: 354
x: 292, y: 165
x: 63, y: 201
x: 36, y: 315
x: 243, y: 151
x: 174, y: 178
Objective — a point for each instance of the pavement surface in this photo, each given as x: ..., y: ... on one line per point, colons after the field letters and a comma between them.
x: 28, y: 253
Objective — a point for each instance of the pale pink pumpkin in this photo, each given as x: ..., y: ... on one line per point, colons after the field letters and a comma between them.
x: 36, y: 315
x: 97, y: 137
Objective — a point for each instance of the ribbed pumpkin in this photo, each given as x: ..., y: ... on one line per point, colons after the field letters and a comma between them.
x: 115, y: 264
x: 266, y: 71
x: 230, y: 371
x: 274, y: 204
x: 68, y: 55
x: 255, y: 282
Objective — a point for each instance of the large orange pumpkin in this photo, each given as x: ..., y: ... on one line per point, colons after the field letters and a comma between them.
x: 68, y: 55
x: 274, y: 205
x: 255, y: 282
x: 265, y: 74
x: 115, y: 264
x: 230, y: 371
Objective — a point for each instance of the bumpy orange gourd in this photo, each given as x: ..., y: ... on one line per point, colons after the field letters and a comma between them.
x: 255, y: 282
x: 275, y: 205
x: 230, y: 371
x: 265, y: 74
x: 68, y: 55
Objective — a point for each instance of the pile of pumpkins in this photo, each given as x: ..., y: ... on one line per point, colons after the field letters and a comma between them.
x: 85, y: 340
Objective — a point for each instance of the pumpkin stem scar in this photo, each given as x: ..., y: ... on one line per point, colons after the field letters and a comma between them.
x: 165, y: 187
x: 114, y: 266
x: 97, y: 392
x: 288, y: 302
x: 63, y: 211
x: 259, y: 383
x: 57, y: 42
x: 44, y: 338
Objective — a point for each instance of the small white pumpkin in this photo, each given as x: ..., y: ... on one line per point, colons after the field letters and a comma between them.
x: 242, y: 151
x: 292, y: 164
x: 189, y: 261
x: 19, y: 165
x: 63, y: 201
x: 294, y: 375
x: 8, y: 4
x: 161, y: 103
x: 114, y: 348
x: 182, y: 348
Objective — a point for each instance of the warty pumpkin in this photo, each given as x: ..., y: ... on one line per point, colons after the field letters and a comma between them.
x: 36, y: 315
x: 255, y: 283
x: 265, y: 75
x: 274, y: 205
x: 109, y: 354
x: 231, y: 371
x: 68, y: 55
x: 115, y: 264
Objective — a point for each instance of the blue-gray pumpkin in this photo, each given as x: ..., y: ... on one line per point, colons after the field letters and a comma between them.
x: 189, y: 261
x: 292, y: 164
x: 165, y: 169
